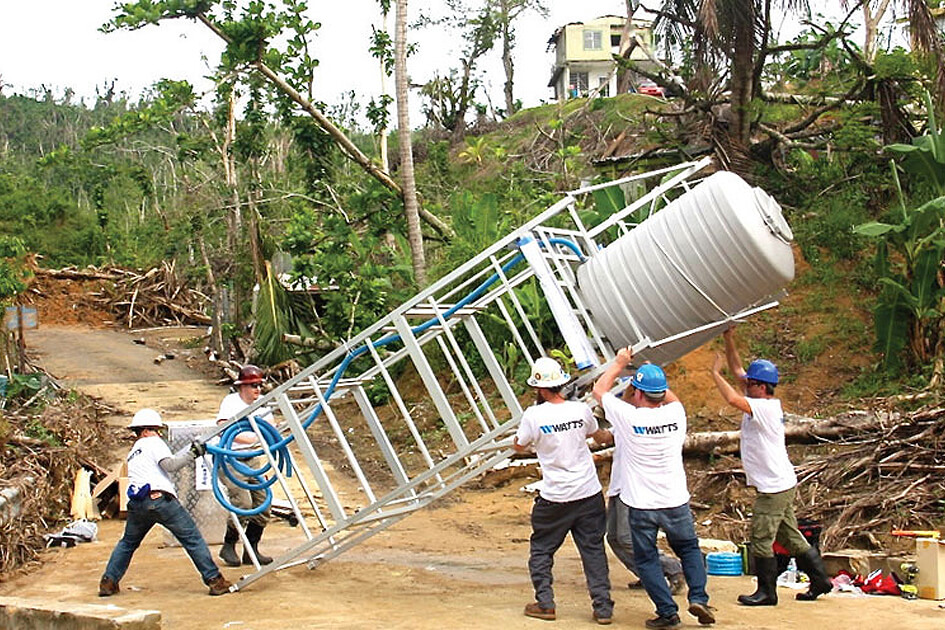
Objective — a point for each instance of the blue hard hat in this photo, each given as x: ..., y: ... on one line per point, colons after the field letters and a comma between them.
x: 649, y: 378
x: 763, y: 370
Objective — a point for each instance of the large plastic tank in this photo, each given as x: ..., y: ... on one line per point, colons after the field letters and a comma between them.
x: 713, y: 252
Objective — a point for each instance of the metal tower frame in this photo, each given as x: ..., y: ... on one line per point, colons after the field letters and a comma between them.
x: 448, y: 338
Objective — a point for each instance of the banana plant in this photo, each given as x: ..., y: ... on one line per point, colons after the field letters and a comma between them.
x: 910, y: 307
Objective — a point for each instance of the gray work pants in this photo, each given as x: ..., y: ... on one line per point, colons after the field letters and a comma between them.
x: 585, y: 519
x: 618, y: 537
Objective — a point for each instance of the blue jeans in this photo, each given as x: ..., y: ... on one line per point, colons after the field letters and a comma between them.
x: 618, y: 537
x: 681, y: 535
x: 143, y: 514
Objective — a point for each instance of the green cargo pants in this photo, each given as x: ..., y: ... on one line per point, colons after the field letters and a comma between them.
x: 773, y: 519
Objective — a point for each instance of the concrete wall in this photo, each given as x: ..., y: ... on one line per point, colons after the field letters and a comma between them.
x: 23, y: 614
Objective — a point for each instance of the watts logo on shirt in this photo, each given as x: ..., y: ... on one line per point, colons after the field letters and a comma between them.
x: 564, y: 426
x: 657, y: 430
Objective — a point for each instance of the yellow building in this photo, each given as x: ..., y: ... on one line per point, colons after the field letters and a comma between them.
x: 584, y: 54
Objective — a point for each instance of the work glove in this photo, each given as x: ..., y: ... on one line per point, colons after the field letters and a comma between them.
x: 198, y: 449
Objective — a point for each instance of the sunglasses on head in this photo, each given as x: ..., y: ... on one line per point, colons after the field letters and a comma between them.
x: 254, y: 385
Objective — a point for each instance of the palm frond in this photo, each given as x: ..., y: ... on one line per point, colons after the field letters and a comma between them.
x: 274, y: 317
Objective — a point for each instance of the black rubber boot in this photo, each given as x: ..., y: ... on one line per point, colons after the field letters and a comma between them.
x: 812, y: 564
x: 766, y: 569
x: 253, y: 534
x: 228, y: 550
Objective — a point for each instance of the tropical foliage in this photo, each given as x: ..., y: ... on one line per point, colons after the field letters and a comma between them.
x: 911, y: 303
x: 277, y: 207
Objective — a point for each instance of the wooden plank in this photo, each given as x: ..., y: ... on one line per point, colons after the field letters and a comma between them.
x: 108, y: 480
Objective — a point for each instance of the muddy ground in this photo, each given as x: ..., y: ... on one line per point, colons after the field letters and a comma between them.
x: 461, y: 564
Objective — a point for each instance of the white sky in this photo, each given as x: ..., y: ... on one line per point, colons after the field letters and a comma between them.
x: 55, y: 43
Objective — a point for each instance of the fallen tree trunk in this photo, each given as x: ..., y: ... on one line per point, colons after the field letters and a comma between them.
x: 71, y: 273
x: 797, y: 430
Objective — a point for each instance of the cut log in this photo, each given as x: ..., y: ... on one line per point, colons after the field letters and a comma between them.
x: 75, y: 274
x: 797, y: 430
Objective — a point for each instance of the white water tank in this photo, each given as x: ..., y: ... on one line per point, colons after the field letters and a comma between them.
x: 718, y: 249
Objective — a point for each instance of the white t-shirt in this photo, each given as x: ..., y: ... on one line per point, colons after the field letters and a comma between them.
x: 650, y: 441
x: 144, y: 464
x: 232, y: 404
x: 618, y: 465
x: 558, y: 433
x: 764, y: 454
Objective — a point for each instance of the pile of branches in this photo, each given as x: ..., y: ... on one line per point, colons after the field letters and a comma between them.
x: 885, y: 475
x: 40, y: 453
x: 157, y: 297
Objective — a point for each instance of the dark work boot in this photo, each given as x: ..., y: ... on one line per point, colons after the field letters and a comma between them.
x: 107, y: 587
x: 766, y: 569
x: 219, y: 586
x: 812, y: 564
x: 253, y: 534
x: 228, y: 550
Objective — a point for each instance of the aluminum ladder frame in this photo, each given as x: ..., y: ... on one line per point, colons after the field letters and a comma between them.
x: 478, y: 306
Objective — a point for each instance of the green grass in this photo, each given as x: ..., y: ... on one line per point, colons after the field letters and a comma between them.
x: 809, y: 349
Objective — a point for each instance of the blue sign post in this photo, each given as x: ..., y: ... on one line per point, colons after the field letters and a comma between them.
x: 19, y: 318
x: 16, y: 314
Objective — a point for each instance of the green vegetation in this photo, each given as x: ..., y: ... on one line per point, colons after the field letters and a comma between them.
x: 909, y: 311
x: 251, y: 187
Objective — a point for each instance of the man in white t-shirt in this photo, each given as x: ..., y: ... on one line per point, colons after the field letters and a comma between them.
x: 248, y: 388
x: 770, y: 471
x: 152, y: 500
x: 570, y: 499
x: 654, y: 484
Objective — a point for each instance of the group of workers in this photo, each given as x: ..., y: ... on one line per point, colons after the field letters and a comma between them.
x: 152, y: 497
x: 648, y: 489
x: 647, y: 493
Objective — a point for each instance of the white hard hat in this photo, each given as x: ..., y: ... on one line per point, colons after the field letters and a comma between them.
x: 146, y: 418
x: 547, y: 372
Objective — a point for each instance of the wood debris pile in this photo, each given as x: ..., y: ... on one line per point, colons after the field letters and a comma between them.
x: 157, y: 297
x: 883, y: 475
x: 40, y: 453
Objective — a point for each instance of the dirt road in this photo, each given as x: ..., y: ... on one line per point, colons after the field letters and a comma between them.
x: 459, y: 565
x: 110, y: 365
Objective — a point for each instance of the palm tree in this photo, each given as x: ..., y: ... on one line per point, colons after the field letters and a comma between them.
x: 925, y: 35
x: 724, y: 34
x: 409, y: 184
x: 730, y: 38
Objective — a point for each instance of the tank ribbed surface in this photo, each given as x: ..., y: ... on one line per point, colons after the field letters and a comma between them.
x: 718, y: 249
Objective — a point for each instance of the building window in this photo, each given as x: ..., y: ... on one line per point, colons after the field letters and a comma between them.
x: 605, y: 86
x: 615, y: 40
x: 578, y: 86
x: 592, y: 40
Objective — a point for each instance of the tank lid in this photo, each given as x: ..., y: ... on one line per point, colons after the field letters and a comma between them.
x: 771, y: 214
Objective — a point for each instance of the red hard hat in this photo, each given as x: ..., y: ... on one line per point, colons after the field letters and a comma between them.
x: 249, y: 374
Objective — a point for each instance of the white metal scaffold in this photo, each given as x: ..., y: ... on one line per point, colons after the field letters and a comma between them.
x: 451, y: 337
